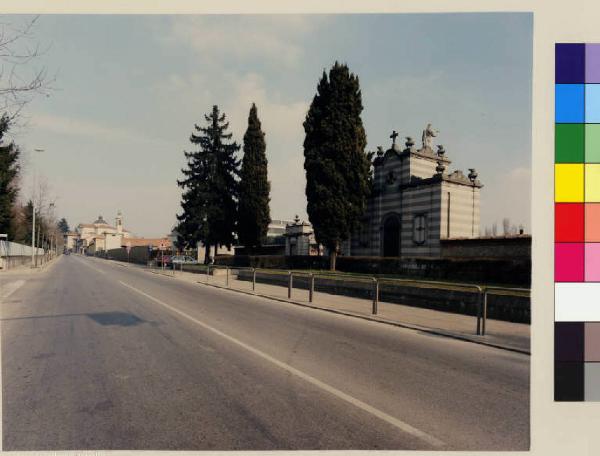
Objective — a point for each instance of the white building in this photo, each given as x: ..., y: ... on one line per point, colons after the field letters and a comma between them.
x: 416, y: 203
x: 99, y: 236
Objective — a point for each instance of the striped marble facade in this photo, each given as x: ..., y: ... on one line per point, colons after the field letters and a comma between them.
x: 416, y: 204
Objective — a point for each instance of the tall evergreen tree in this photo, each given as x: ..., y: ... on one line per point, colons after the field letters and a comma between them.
x: 338, y: 172
x: 253, y: 212
x: 9, y: 170
x: 63, y: 225
x: 209, y: 199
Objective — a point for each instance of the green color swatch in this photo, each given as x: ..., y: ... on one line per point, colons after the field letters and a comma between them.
x: 592, y: 143
x: 569, y: 143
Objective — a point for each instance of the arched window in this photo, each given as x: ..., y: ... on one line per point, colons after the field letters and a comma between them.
x: 420, y: 229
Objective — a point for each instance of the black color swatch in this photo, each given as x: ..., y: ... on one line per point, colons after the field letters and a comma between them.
x: 568, y: 382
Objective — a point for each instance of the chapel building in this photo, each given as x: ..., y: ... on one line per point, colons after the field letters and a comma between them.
x: 416, y: 203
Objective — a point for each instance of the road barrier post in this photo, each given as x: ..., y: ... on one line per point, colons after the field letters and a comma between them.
x: 227, y: 276
x: 253, y: 279
x: 375, y: 295
x: 311, y: 288
x: 484, y: 319
x: 290, y: 284
x: 479, y: 310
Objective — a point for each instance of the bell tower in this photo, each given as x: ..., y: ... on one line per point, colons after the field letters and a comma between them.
x: 119, y: 222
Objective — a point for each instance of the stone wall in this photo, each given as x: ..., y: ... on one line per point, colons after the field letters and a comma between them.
x: 137, y: 255
x: 493, y: 247
x: 13, y: 255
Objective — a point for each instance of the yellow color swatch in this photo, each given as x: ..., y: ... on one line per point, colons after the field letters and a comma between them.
x: 592, y: 183
x: 568, y: 183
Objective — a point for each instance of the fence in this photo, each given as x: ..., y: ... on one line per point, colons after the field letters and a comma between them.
x: 512, y: 272
x: 13, y: 254
x: 479, y: 301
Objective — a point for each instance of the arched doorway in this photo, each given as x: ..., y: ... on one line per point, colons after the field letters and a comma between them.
x: 391, y: 236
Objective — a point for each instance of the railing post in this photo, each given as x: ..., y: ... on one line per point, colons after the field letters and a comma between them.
x: 290, y: 284
x: 485, y: 299
x: 479, y: 310
x: 311, y: 288
x: 375, y: 295
x: 253, y: 279
x: 227, y: 276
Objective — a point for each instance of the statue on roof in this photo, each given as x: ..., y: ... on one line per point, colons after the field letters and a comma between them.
x: 428, y: 134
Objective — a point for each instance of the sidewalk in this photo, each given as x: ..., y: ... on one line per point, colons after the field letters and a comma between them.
x: 501, y: 334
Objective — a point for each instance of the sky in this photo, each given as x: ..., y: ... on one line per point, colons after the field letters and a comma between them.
x: 128, y: 90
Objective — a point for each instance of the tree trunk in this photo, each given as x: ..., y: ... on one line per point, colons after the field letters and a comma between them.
x: 333, y: 257
x: 206, y: 253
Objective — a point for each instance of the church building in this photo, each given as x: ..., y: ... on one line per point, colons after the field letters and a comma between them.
x: 416, y: 203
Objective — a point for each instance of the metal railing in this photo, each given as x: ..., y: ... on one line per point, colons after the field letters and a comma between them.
x: 372, y: 285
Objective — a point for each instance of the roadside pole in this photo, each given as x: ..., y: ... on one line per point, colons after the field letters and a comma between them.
x: 375, y: 296
x: 4, y: 242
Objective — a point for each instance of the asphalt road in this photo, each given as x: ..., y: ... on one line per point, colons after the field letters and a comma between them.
x: 99, y: 356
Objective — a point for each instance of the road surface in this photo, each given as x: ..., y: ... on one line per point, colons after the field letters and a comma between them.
x: 99, y: 356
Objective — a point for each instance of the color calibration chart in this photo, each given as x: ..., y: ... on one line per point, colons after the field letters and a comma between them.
x: 577, y: 223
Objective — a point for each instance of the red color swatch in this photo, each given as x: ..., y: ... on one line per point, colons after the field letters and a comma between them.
x: 569, y: 222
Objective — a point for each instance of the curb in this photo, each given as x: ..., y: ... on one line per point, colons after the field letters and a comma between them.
x: 366, y: 317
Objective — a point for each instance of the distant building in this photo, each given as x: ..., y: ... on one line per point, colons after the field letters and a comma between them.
x: 300, y: 239
x: 71, y: 238
x: 98, y: 236
x: 155, y: 243
x: 416, y: 203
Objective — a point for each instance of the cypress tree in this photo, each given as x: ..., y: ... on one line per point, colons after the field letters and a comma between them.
x: 9, y: 170
x: 253, y: 212
x: 209, y: 199
x: 338, y: 171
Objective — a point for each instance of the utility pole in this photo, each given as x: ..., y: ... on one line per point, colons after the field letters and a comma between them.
x: 33, y: 252
x: 33, y: 246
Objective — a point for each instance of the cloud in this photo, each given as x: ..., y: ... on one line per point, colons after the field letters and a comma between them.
x: 277, y: 39
x: 80, y: 127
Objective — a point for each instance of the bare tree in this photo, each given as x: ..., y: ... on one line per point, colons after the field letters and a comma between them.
x: 494, y: 229
x: 506, y: 226
x: 20, y: 79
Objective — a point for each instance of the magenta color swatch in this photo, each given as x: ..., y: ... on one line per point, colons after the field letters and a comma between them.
x: 568, y: 262
x: 592, y: 63
x: 592, y: 262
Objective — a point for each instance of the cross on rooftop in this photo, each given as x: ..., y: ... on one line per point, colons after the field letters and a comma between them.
x: 394, y: 135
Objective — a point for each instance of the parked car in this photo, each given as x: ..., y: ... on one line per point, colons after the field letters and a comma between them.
x: 184, y: 259
x: 166, y: 259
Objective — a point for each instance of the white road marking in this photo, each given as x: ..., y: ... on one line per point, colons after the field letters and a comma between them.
x: 5, y: 291
x: 405, y: 427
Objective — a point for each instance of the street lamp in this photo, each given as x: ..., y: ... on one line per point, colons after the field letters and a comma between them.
x: 33, y: 246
